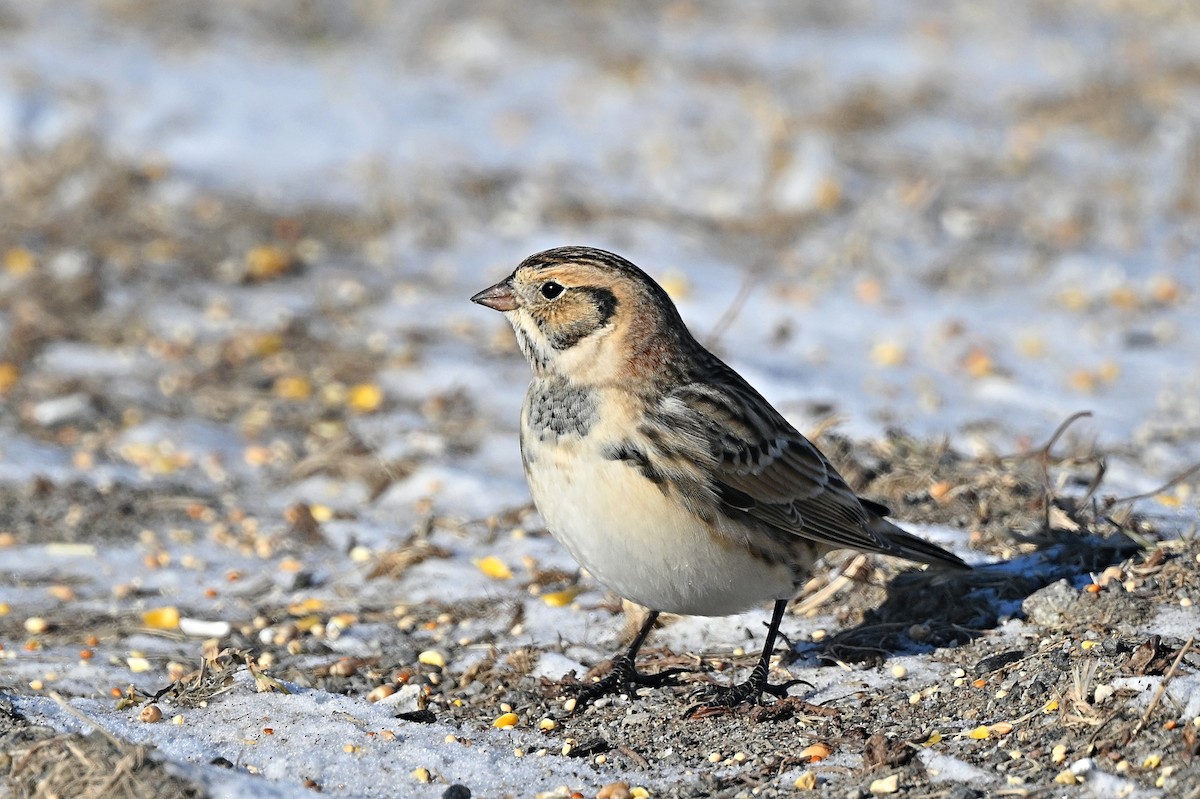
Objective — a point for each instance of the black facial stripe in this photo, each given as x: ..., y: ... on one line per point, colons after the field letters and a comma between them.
x: 604, y: 300
x: 566, y: 336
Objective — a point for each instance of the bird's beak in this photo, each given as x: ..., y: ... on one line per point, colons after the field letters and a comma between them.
x: 499, y: 297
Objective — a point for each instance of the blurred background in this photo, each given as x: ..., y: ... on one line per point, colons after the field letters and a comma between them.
x: 230, y: 225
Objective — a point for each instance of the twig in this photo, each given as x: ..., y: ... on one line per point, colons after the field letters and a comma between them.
x: 62, y: 703
x: 731, y: 313
x: 1043, y: 460
x: 1044, y: 451
x: 817, y: 598
x: 1162, y: 689
x: 1174, y: 481
x: 633, y: 755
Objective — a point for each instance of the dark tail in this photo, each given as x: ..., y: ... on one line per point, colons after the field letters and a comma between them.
x: 902, y: 544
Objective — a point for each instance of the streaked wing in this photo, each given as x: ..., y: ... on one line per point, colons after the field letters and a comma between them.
x: 765, y: 468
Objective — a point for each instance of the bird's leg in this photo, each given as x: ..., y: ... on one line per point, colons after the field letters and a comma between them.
x: 624, y: 677
x: 752, y: 689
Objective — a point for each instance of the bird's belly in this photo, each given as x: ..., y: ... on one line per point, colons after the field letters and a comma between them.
x: 641, y: 542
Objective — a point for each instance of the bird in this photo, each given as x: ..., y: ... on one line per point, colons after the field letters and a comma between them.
x: 661, y: 470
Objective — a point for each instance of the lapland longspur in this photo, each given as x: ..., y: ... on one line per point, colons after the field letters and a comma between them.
x: 660, y: 469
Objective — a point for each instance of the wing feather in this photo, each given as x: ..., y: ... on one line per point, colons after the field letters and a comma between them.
x: 764, y: 468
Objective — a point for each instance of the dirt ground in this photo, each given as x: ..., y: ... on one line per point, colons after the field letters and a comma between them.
x: 1042, y: 699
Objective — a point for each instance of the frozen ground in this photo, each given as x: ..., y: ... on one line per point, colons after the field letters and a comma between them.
x: 249, y: 417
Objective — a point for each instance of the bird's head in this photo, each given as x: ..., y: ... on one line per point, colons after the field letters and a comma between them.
x: 588, y: 315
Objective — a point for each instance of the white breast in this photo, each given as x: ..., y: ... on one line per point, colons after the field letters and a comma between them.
x: 637, y: 540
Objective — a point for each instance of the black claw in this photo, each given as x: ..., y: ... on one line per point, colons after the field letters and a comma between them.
x: 748, y: 692
x: 624, y: 678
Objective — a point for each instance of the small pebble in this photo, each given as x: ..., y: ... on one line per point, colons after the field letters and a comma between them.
x: 899, y: 671
x: 457, y: 791
x: 151, y: 714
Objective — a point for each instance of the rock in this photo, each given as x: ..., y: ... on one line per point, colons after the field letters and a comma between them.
x: 1050, y: 606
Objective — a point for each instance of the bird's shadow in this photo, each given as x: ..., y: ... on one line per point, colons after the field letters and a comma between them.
x: 924, y: 610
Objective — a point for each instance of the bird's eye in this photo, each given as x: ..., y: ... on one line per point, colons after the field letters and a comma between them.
x: 550, y: 289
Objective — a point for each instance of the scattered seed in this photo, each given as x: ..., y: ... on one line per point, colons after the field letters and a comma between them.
x: 816, y: 752
x: 885, y: 785
x: 421, y: 774
x: 614, y: 790
x: 807, y: 781
x: 899, y: 671
x: 365, y: 398
x: 433, y: 657
x: 560, y: 599
x: 151, y: 714
x: 505, y: 720
x: 381, y: 692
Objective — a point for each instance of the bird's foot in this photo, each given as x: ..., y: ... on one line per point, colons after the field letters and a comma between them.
x: 725, y: 698
x: 624, y: 678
